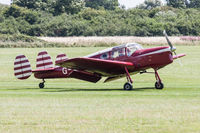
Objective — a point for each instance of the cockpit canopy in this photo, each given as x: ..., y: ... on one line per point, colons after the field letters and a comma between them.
x: 118, y: 51
x: 132, y: 47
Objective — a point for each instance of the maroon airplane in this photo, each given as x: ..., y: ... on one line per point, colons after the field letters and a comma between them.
x: 113, y: 63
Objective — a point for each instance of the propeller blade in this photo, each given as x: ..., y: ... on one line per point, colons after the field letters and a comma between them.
x: 171, y: 47
x: 180, y: 62
x: 168, y: 41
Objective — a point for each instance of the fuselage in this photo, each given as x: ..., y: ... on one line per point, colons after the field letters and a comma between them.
x: 155, y: 58
x: 142, y: 59
x: 61, y: 72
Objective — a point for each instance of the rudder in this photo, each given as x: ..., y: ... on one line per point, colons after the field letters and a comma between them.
x: 61, y: 57
x: 22, y: 67
x: 44, y: 60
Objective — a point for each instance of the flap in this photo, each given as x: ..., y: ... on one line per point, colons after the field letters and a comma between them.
x: 109, y: 79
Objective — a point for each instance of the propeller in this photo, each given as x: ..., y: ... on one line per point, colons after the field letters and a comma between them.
x: 168, y: 41
x: 173, y: 49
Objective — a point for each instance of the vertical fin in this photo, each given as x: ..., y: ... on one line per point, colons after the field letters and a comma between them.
x: 43, y: 60
x: 61, y: 57
x: 22, y: 67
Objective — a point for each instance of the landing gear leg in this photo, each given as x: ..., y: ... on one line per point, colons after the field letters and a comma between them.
x: 128, y: 85
x: 158, y: 84
x: 41, y: 85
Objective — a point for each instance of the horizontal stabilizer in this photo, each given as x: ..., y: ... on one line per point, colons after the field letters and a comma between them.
x: 22, y: 67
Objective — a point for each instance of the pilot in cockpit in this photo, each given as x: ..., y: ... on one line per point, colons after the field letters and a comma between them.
x: 131, y: 48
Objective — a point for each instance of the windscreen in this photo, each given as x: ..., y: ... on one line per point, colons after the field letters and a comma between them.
x: 131, y: 48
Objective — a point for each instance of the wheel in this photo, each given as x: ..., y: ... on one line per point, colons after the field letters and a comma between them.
x: 159, y: 85
x: 128, y: 86
x: 41, y: 85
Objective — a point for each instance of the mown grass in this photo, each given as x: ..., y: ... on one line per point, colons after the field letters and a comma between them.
x: 69, y: 105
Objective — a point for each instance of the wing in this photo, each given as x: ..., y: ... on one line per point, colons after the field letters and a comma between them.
x: 99, y: 66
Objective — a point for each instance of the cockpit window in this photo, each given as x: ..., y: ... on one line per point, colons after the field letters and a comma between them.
x: 131, y: 48
x: 104, y: 56
x: 118, y: 53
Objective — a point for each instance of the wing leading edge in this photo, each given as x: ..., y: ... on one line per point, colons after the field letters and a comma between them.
x: 99, y: 66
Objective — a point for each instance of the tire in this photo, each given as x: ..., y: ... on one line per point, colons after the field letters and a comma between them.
x: 41, y: 85
x: 159, y: 85
x: 128, y: 86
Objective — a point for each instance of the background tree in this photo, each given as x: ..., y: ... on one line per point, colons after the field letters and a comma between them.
x: 194, y: 3
x: 68, y: 18
x: 68, y: 6
x: 176, y: 3
x: 106, y: 4
x: 150, y: 4
x: 34, y: 4
x: 55, y: 7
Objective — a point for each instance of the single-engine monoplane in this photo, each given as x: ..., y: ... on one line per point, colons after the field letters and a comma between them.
x: 113, y: 63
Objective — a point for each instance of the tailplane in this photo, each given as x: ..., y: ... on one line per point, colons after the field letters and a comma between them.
x: 22, y: 67
x: 44, y: 61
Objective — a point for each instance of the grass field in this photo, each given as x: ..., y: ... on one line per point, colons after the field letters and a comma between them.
x: 74, y: 106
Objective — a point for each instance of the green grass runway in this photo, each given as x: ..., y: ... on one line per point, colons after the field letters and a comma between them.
x: 69, y: 105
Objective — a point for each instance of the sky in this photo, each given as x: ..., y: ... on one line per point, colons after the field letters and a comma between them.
x: 132, y: 3
x: 5, y: 2
x: 127, y: 3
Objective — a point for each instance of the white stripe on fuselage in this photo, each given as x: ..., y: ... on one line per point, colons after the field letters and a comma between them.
x: 155, y: 52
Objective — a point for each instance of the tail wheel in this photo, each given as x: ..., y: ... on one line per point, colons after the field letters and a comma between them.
x: 159, y: 85
x: 41, y: 85
x: 128, y: 86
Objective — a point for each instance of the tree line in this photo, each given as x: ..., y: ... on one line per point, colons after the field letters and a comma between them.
x: 99, y: 18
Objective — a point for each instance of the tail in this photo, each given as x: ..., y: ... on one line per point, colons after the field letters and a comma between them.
x: 61, y: 57
x: 44, y: 60
x: 22, y: 67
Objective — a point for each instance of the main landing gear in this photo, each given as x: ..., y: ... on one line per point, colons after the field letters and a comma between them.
x: 128, y: 85
x: 158, y: 84
x: 41, y: 85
